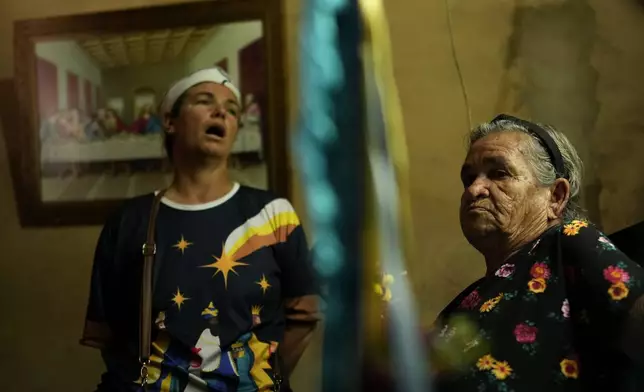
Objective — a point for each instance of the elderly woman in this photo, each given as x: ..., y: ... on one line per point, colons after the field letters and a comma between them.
x: 230, y: 298
x: 560, y: 308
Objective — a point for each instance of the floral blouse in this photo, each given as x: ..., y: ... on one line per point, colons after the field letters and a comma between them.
x: 548, y: 320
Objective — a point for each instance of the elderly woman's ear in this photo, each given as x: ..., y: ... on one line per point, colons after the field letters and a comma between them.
x: 558, y: 198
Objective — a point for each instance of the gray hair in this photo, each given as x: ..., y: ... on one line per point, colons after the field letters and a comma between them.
x: 539, y: 159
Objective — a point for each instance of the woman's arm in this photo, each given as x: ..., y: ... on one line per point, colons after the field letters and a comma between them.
x: 300, y: 290
x: 302, y: 316
x: 611, y: 280
x: 633, y: 337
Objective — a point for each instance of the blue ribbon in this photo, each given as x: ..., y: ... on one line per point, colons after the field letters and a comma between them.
x: 329, y: 146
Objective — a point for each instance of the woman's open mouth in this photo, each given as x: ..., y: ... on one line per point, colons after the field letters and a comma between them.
x: 216, y: 130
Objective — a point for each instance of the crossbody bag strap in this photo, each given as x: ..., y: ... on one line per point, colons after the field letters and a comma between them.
x: 277, y: 372
x: 149, y: 251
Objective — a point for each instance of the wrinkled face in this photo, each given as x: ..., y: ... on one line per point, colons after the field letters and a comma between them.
x: 207, y: 123
x: 500, y: 192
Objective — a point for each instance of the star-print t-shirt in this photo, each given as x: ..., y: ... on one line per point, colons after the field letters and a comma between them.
x: 549, y: 319
x: 221, y: 272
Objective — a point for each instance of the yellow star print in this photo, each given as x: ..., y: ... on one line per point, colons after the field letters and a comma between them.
x: 224, y: 264
x: 182, y: 245
x: 263, y: 283
x: 179, y: 298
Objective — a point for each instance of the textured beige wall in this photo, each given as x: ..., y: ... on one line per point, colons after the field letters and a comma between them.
x: 577, y: 63
x: 618, y: 137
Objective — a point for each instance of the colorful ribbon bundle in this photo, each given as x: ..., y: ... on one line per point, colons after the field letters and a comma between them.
x: 389, y: 169
x: 362, y: 228
x: 329, y: 146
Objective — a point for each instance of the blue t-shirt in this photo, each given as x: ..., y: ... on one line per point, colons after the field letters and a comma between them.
x: 221, y: 272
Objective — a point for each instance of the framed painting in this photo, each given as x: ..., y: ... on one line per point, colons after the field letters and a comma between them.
x: 85, y: 135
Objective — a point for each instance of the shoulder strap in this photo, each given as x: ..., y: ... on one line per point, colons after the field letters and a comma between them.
x: 149, y: 250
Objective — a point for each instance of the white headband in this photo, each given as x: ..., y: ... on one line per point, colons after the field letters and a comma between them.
x: 215, y: 75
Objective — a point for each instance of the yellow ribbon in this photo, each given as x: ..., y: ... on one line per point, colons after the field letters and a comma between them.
x: 378, y: 58
x: 378, y: 43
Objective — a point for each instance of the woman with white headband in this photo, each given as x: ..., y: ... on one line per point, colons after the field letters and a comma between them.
x: 231, y: 296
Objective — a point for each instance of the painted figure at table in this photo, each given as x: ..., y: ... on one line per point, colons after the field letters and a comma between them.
x: 63, y: 125
x: 104, y: 124
x: 252, y: 112
x: 147, y: 122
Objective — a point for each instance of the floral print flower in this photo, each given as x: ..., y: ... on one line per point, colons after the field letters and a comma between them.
x: 540, y: 270
x: 605, y: 243
x: 565, y: 308
x: 615, y: 275
x: 490, y: 303
x: 487, y: 306
x: 569, y: 368
x: 537, y: 285
x: 501, y: 370
x: 525, y: 333
x: 573, y: 227
x: 618, y: 291
x: 471, y: 301
x: 505, y: 271
x: 485, y: 362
